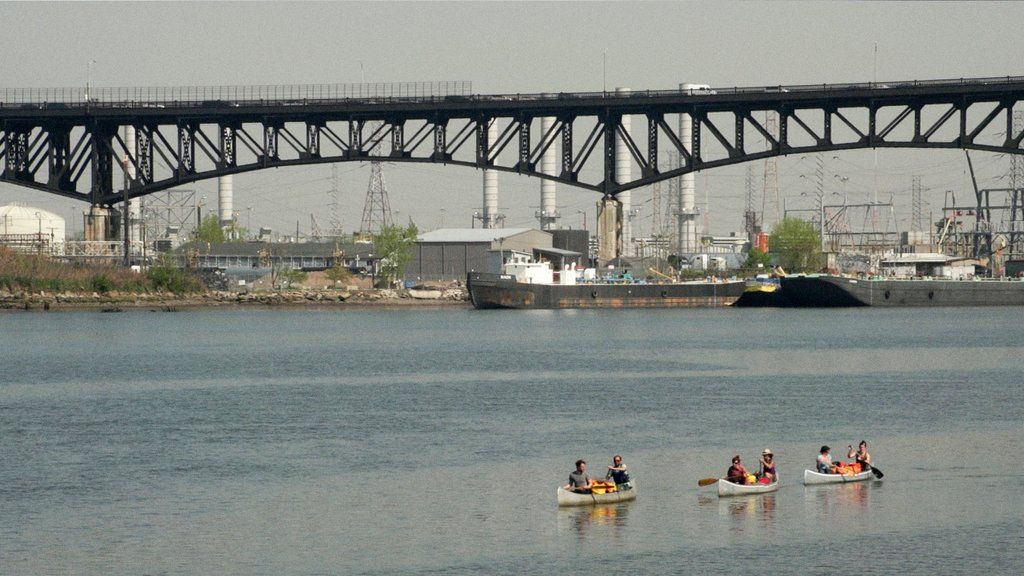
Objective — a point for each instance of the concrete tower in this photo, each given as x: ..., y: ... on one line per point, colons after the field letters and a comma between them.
x: 134, y: 211
x: 548, y: 215
x: 489, y: 218
x: 225, y: 200
x: 623, y: 174
x: 687, y: 202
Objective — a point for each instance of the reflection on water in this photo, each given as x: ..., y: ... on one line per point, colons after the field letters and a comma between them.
x: 832, y: 499
x: 755, y: 512
x: 606, y: 518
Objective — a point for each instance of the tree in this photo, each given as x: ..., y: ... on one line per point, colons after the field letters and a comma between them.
x: 393, y: 243
x: 755, y: 257
x: 293, y: 276
x: 797, y: 244
x: 209, y: 230
x: 338, y: 273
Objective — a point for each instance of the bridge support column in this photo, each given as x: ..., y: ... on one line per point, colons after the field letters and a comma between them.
x: 97, y: 224
x: 609, y: 230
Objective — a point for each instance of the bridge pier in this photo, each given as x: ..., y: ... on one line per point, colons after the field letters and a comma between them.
x: 609, y: 230
x: 98, y: 224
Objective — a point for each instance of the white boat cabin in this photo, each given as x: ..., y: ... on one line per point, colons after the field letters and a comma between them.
x: 528, y: 271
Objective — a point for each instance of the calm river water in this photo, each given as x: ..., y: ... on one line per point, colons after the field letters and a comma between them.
x: 430, y: 441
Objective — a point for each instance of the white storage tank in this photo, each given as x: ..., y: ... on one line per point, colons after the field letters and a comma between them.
x: 20, y: 224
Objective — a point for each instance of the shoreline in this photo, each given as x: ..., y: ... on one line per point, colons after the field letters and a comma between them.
x: 166, y: 302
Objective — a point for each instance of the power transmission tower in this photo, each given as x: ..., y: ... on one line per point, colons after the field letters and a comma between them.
x: 672, y: 207
x: 1016, y: 237
x: 751, y: 223
x: 656, y: 224
x: 334, y: 222
x: 916, y: 213
x: 376, y: 208
x: 771, y: 170
x: 315, y: 233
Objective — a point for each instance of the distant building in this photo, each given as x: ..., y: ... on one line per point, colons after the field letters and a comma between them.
x: 450, y: 253
x: 30, y: 229
x: 231, y: 256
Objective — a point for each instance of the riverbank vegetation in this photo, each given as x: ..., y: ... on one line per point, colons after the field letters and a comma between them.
x: 38, y: 272
x: 797, y: 245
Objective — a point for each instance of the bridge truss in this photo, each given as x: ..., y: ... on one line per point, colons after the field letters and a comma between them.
x: 68, y: 143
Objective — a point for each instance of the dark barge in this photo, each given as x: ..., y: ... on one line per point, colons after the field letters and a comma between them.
x: 826, y: 291
x: 504, y: 291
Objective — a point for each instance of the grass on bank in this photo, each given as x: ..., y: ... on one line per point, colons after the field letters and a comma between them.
x: 37, y: 272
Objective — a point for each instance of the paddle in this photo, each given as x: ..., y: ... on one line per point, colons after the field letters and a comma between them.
x: 706, y: 481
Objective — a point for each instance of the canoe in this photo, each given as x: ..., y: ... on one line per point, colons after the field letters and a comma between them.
x: 567, y: 498
x: 813, y: 477
x: 726, y: 488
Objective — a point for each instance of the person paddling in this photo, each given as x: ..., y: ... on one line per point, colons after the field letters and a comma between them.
x: 860, y: 455
x: 579, y: 481
x: 617, y: 471
x: 737, y: 473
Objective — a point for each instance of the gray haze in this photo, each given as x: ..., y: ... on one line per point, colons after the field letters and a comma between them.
x: 521, y: 47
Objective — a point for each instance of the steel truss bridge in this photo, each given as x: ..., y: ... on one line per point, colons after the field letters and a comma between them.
x: 70, y: 142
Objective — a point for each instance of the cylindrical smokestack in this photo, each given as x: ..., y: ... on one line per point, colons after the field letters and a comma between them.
x: 548, y: 209
x: 490, y: 184
x: 134, y: 214
x: 623, y: 174
x: 687, y: 198
x: 225, y: 200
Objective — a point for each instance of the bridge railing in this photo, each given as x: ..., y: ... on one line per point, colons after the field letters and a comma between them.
x: 205, y: 95
x: 782, y: 88
x: 384, y: 92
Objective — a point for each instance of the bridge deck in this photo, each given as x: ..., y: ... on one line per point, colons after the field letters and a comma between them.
x: 245, y: 101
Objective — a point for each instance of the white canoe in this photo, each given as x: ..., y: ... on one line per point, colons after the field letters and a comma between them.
x: 726, y: 488
x: 813, y: 477
x: 567, y: 498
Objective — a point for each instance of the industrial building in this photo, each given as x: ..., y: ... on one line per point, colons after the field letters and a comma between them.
x: 449, y: 254
x: 233, y: 256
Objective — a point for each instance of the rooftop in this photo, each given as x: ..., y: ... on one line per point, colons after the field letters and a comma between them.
x: 470, y: 234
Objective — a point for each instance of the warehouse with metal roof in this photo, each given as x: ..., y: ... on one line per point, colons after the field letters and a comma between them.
x: 450, y: 253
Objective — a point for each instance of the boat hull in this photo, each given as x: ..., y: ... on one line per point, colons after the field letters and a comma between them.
x: 836, y: 291
x: 813, y: 478
x: 726, y: 488
x: 567, y: 498
x: 502, y: 291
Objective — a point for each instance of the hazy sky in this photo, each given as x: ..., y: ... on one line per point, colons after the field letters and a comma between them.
x: 520, y: 47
